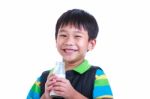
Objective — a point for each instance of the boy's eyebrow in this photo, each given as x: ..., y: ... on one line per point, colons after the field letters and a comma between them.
x: 75, y: 31
x: 62, y: 30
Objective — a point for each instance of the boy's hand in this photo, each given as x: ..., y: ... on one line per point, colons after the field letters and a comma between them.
x: 51, y: 79
x: 63, y: 88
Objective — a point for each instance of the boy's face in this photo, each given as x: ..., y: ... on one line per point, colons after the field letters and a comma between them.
x: 73, y: 43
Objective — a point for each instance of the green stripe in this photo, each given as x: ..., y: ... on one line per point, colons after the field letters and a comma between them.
x: 83, y: 67
x: 36, y: 88
x: 101, y: 82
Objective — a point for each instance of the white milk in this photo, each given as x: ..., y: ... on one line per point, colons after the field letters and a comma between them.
x: 59, y: 71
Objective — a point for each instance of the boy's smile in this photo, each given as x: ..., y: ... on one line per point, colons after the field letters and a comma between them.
x: 72, y: 43
x: 69, y: 51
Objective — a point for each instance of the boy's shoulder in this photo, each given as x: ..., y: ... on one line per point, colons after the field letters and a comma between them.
x: 92, y: 71
x: 96, y: 67
x: 46, y: 72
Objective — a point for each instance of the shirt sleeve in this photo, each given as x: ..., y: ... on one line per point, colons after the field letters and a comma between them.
x: 102, y: 89
x: 35, y: 90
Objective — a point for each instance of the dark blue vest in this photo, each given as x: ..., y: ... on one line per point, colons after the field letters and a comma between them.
x: 83, y: 83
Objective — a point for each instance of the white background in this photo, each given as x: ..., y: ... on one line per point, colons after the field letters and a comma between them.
x: 27, y: 45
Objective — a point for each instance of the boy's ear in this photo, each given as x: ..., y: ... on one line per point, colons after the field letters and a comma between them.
x: 91, y: 44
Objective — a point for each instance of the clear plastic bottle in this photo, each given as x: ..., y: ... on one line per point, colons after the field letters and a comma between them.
x: 59, y: 70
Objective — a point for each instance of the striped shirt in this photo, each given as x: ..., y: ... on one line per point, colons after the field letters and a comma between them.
x: 101, y: 85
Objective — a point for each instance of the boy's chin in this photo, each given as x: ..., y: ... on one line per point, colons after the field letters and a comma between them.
x: 69, y: 60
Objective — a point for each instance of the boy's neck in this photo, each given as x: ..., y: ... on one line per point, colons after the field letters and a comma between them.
x: 72, y: 65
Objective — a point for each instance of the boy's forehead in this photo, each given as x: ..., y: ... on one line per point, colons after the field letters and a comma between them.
x: 76, y: 27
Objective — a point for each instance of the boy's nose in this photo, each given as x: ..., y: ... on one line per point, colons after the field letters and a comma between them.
x: 69, y: 41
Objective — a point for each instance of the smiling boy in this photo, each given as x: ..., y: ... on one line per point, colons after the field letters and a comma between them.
x: 76, y: 32
x: 72, y: 43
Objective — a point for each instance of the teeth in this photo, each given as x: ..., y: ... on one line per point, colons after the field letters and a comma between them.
x: 69, y: 50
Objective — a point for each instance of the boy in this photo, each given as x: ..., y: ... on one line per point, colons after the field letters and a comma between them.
x: 76, y: 32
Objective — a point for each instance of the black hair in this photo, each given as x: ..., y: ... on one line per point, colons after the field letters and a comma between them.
x: 78, y: 18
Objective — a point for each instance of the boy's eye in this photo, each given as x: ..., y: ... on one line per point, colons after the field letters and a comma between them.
x: 78, y: 36
x: 63, y: 35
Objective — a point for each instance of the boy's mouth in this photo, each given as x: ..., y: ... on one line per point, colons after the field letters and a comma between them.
x: 69, y: 51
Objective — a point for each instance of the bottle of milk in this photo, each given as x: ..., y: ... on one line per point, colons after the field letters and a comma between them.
x: 59, y: 70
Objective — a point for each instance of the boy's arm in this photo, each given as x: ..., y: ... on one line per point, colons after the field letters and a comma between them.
x: 35, y: 90
x: 102, y: 88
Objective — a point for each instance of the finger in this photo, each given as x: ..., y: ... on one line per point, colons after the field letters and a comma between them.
x: 51, y: 77
x: 60, y: 93
x: 49, y: 88
x: 60, y: 81
x: 63, y: 80
x: 60, y: 84
x: 59, y: 88
x: 50, y: 83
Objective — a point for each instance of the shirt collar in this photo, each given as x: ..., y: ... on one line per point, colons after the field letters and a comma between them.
x: 83, y: 67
